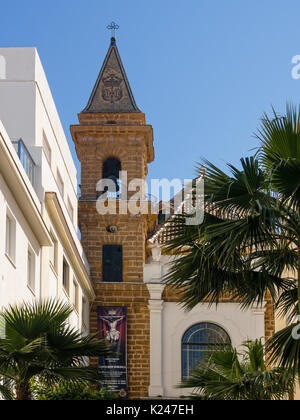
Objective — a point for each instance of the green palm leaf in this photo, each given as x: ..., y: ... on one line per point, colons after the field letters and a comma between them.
x: 284, y: 350
x: 249, y: 242
x: 5, y: 391
x: 39, y: 345
x: 228, y: 375
x: 280, y: 152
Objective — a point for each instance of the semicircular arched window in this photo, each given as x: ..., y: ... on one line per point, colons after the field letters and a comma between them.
x: 198, y: 341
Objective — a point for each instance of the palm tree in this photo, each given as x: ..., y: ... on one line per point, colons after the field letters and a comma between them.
x: 5, y: 391
x: 249, y: 242
x: 228, y: 375
x: 40, y: 346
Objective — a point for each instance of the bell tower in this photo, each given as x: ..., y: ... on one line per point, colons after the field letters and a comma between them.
x: 112, y: 135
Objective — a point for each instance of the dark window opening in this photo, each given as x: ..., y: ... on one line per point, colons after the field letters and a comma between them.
x: 66, y: 275
x: 112, y: 264
x: 111, y: 170
x: 161, y: 218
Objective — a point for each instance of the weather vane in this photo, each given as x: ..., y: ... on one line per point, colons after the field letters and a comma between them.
x: 113, y: 27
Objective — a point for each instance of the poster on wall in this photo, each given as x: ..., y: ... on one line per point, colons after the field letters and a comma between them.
x: 112, y: 327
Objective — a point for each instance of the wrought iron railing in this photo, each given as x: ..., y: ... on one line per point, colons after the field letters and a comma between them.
x: 25, y: 158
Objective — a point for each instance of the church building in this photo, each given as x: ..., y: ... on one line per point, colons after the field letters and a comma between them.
x: 157, y: 341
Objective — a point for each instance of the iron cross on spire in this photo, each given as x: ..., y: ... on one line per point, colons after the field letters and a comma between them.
x: 113, y: 27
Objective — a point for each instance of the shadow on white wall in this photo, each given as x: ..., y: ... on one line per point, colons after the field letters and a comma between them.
x: 2, y: 67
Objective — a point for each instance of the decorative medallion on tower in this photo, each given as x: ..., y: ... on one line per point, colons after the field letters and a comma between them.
x: 112, y: 89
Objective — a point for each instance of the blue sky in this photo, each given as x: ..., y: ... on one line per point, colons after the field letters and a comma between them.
x: 203, y: 71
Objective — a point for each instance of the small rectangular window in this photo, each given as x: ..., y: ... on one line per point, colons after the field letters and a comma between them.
x: 53, y: 252
x: 76, y: 295
x: 47, y: 149
x: 60, y: 184
x: 66, y: 274
x: 70, y: 210
x: 10, y: 237
x: 112, y: 264
x: 31, y: 270
x: 84, y: 312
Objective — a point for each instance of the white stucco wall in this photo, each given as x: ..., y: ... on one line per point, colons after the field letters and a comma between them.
x: 28, y: 111
x: 169, y: 322
x: 239, y: 325
x: 13, y: 275
x: 2, y: 67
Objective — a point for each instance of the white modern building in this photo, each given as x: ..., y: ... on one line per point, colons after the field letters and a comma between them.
x: 40, y: 252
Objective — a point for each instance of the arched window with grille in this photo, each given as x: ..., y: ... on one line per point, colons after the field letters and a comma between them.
x: 198, y: 341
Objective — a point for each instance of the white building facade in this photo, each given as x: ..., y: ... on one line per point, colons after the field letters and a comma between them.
x: 173, y: 351
x: 40, y: 252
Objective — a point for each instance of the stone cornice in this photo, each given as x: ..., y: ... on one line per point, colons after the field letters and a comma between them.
x: 91, y: 135
x: 112, y: 118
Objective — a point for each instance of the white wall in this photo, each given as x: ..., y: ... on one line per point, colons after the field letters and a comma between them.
x: 13, y: 275
x: 2, y: 67
x: 239, y: 325
x: 17, y: 105
x: 28, y: 111
x: 169, y: 322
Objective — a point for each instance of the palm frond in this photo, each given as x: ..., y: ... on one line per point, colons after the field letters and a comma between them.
x: 280, y: 152
x: 287, y: 304
x: 40, y: 345
x: 5, y: 390
x: 284, y: 350
x: 228, y: 375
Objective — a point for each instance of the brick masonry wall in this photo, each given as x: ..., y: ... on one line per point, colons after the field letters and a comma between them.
x: 133, y: 158
x: 132, y: 293
x: 269, y: 318
x: 127, y: 138
x: 131, y: 235
x: 172, y: 295
x: 135, y: 297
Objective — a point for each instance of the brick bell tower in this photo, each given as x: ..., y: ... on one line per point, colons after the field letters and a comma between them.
x: 112, y: 134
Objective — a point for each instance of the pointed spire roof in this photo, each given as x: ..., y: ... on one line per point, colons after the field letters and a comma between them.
x: 112, y: 92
